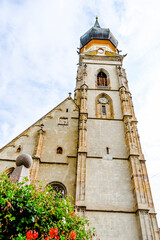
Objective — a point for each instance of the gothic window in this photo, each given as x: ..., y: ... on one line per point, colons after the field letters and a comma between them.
x: 101, y: 79
x: 104, y: 107
x: 59, y: 150
x: 59, y: 188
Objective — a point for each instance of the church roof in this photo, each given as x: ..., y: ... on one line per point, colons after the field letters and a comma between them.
x: 96, y: 32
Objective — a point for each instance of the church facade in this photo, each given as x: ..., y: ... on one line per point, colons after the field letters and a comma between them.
x: 88, y: 147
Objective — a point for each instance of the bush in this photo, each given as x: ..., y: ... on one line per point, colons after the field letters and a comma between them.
x: 30, y: 212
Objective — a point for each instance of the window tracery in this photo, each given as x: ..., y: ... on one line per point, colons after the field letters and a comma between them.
x: 59, y: 188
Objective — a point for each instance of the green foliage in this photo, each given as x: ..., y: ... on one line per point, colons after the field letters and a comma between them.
x: 28, y: 207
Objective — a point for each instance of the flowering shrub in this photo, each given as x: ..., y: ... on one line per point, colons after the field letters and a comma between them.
x: 31, y: 234
x: 28, y: 212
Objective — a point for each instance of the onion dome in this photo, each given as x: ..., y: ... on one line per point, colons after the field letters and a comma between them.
x: 96, y: 32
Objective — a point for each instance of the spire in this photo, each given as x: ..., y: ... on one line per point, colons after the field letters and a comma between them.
x: 96, y: 32
x: 97, y: 23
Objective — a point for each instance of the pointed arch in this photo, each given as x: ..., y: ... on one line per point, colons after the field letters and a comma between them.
x: 9, y: 171
x: 59, y: 150
x: 102, y: 79
x: 104, y: 106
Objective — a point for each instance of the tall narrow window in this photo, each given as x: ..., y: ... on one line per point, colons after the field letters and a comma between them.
x: 101, y: 79
x: 103, y: 110
x: 107, y: 150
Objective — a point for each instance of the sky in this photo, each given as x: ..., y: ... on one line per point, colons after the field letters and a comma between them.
x: 38, y: 62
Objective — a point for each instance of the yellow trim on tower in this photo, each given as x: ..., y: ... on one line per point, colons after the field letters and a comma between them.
x: 110, y: 54
x: 92, y: 53
x: 98, y: 42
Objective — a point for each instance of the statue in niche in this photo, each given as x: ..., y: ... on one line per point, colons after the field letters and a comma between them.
x: 123, y: 78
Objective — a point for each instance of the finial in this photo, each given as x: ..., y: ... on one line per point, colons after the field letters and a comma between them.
x: 69, y: 94
x: 23, y: 164
x: 96, y: 23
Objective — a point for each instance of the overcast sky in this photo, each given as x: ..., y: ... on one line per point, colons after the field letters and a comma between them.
x: 38, y: 41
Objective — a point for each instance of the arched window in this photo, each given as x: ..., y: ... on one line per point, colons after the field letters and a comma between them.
x: 59, y: 188
x: 104, y: 107
x: 9, y: 171
x: 101, y: 79
x: 19, y: 148
x: 59, y: 150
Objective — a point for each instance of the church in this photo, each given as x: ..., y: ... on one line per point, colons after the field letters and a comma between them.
x: 89, y: 147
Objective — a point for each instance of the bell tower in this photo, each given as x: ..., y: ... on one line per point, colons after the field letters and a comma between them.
x: 112, y: 186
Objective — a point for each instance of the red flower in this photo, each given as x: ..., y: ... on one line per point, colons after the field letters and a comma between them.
x: 35, y: 235
x: 9, y: 204
x: 72, y: 214
x: 73, y: 235
x: 53, y: 232
x: 31, y: 235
